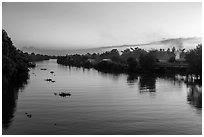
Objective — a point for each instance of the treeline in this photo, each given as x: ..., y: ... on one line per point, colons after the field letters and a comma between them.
x: 136, y: 60
x: 14, y: 63
x: 194, y: 59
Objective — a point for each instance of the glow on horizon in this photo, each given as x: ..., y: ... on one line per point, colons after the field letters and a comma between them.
x: 87, y: 25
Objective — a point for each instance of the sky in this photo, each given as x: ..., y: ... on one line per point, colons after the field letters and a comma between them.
x: 87, y: 25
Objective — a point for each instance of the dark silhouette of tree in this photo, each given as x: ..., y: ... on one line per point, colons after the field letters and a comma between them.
x: 194, y: 58
x: 173, y: 49
x: 132, y: 65
x: 131, y: 60
x: 14, y: 62
x: 147, y: 61
x: 14, y: 75
x: 171, y: 60
x: 168, y: 50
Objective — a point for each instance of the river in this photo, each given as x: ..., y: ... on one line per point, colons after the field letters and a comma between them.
x: 101, y: 103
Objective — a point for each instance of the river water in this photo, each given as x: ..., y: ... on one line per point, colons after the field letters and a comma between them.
x: 101, y: 103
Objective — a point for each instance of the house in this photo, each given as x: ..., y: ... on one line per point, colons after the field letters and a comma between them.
x: 179, y: 56
x: 163, y: 56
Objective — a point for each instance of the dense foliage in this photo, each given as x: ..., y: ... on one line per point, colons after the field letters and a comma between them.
x: 147, y: 61
x: 14, y: 62
x: 136, y: 60
x: 194, y: 58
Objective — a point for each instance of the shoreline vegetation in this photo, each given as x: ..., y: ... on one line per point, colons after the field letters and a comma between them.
x: 15, y: 68
x: 16, y: 64
x: 139, y: 61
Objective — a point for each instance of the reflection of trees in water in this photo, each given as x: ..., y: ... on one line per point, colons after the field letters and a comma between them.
x: 114, y: 76
x: 193, y: 80
x: 194, y: 83
x: 194, y: 96
x: 131, y: 79
x: 8, y: 106
x: 9, y: 98
x: 147, y: 83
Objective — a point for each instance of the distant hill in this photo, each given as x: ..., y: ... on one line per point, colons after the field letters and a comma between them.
x: 178, y: 43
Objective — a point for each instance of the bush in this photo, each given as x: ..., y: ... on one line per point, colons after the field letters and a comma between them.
x: 194, y: 59
x: 132, y: 64
x: 109, y: 66
x: 147, y: 61
x: 171, y: 60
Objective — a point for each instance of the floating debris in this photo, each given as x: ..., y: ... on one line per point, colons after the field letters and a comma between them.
x: 51, y: 72
x: 28, y: 115
x: 48, y: 79
x: 63, y: 94
x: 43, y: 69
x: 55, y: 124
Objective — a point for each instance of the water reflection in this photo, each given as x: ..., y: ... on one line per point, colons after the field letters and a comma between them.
x: 106, y: 109
x: 132, y: 79
x: 147, y: 83
x: 8, y: 106
x: 114, y: 76
x: 9, y: 100
x: 194, y: 96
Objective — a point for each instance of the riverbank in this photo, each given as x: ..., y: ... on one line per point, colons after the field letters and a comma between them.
x: 138, y: 61
x: 16, y: 63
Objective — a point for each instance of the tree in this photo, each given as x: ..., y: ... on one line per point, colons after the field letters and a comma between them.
x: 171, y: 60
x: 14, y: 62
x: 194, y: 59
x: 168, y: 50
x: 147, y: 61
x: 173, y: 49
x: 132, y: 64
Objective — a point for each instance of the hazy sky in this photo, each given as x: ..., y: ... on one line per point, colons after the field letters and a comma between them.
x: 81, y: 25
